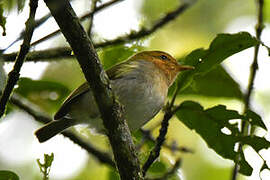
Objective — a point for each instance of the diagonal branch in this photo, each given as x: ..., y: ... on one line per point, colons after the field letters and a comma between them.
x: 111, y: 111
x: 13, y: 76
x: 154, y: 154
x: 31, y: 109
x: 253, y: 70
x: 65, y: 52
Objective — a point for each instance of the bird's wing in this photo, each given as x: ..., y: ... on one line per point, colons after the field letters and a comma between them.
x: 113, y: 73
x: 119, y: 70
x: 64, y: 109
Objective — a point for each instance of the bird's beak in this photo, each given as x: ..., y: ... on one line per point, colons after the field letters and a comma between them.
x: 184, y: 67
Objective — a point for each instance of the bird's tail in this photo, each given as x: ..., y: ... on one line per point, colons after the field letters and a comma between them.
x: 51, y: 129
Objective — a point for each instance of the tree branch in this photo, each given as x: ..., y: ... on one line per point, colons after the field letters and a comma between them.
x: 111, y: 111
x: 253, y: 70
x: 65, y: 52
x: 13, y: 76
x: 43, y: 55
x: 34, y: 111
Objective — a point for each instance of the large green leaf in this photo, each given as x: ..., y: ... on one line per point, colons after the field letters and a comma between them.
x: 8, y: 175
x: 216, y: 83
x: 209, y: 123
x: 223, y: 46
x: 47, y: 94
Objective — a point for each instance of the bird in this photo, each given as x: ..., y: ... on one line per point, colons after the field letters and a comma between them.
x: 140, y: 84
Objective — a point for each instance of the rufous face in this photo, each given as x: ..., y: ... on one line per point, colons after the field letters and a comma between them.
x: 165, y: 62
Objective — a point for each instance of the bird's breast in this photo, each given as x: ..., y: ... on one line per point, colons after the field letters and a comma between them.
x: 142, y: 95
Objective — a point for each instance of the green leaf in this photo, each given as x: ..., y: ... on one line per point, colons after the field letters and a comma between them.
x: 8, y: 175
x: 46, y: 166
x: 47, y: 94
x: 48, y: 159
x: 212, y: 84
x: 257, y: 143
x: 223, y: 46
x: 209, y: 123
x: 255, y: 119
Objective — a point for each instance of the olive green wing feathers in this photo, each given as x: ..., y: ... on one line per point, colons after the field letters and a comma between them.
x: 121, y: 69
x: 64, y: 109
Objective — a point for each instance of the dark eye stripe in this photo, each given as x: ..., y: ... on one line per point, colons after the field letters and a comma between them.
x: 163, y: 57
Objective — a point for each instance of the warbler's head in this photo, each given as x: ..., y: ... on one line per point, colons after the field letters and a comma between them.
x: 164, y: 62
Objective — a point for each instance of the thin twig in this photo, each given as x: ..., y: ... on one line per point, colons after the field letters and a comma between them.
x: 13, y: 76
x: 37, y: 23
x: 84, y: 17
x: 144, y: 31
x: 253, y: 70
x: 154, y: 154
x: 91, y: 18
x: 65, y: 52
x: 34, y: 111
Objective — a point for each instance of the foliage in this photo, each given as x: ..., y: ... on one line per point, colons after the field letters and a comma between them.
x: 223, y: 46
x: 209, y: 124
x: 8, y: 175
x: 212, y: 84
x: 46, y: 166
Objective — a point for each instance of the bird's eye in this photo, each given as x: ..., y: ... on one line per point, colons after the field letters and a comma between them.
x: 163, y: 57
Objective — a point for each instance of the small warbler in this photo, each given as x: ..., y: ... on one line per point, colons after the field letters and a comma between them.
x: 140, y: 83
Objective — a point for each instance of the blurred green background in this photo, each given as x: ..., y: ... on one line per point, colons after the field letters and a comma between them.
x: 193, y: 29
